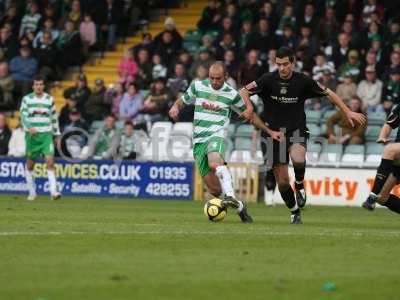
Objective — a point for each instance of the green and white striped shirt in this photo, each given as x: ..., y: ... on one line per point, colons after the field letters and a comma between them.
x: 212, y: 108
x: 39, y: 113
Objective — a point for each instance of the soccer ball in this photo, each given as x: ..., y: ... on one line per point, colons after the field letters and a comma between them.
x: 214, y: 210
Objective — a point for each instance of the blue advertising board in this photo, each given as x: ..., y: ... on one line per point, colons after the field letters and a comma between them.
x: 104, y: 178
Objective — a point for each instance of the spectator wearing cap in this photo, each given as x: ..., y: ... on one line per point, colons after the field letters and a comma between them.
x: 71, y: 103
x: 127, y: 68
x: 391, y: 91
x: 5, y: 135
x: 30, y: 21
x: 69, y: 45
x: 144, y: 76
x: 159, y: 69
x: 8, y: 44
x: 250, y: 70
x: 170, y: 27
x: 114, y: 95
x: 321, y: 65
x: 47, y: 57
x: 369, y: 91
x: 178, y: 82
x: 347, y: 89
x: 96, y: 107
x: 16, y: 144
x: 23, y: 68
x: 80, y: 92
x: 130, y: 105
x: 48, y: 27
x: 352, y: 66
x: 349, y: 135
x: 7, y: 87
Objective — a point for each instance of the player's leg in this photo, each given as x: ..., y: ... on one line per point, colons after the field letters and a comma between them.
x: 297, y: 154
x: 385, y: 198
x: 269, y: 181
x: 282, y: 175
x: 30, y: 179
x: 213, y: 185
x: 48, y: 152
x: 216, y: 162
x: 385, y: 168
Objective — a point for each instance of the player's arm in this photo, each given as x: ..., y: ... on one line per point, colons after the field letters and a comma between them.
x: 392, y: 122
x: 248, y: 113
x: 350, y: 115
x: 187, y: 98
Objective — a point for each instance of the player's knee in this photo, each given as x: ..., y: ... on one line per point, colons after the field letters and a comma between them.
x: 299, y: 163
x: 214, y: 164
x: 283, y: 184
x: 390, y: 151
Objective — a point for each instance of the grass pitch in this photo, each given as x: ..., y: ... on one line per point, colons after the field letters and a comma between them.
x: 131, y: 249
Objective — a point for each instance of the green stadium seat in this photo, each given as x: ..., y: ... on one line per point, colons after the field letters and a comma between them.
x: 313, y: 116
x: 372, y: 133
x: 231, y: 130
x: 326, y: 115
x: 314, y: 129
x: 192, y: 36
x: 191, y: 47
x: 374, y: 148
x: 376, y: 118
x: 354, y: 149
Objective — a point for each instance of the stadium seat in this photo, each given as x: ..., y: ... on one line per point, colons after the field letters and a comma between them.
x: 231, y: 130
x: 244, y: 131
x: 326, y: 115
x: 192, y: 36
x: 372, y: 133
x: 373, y: 155
x: 242, y: 143
x: 313, y: 152
x: 228, y: 148
x: 353, y: 156
x: 331, y: 155
x: 313, y: 116
x: 314, y: 129
x: 96, y: 125
x: 376, y: 118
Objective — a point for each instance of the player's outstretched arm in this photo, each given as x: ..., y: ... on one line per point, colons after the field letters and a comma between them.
x: 175, y: 109
x: 350, y: 115
x: 384, y: 134
x: 248, y: 113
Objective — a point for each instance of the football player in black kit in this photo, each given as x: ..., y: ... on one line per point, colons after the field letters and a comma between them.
x: 283, y: 93
x: 388, y: 173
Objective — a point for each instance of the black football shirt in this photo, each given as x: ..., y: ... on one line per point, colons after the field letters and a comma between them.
x: 284, y: 98
x: 393, y: 120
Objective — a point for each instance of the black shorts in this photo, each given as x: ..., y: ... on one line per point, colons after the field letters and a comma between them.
x: 277, y: 153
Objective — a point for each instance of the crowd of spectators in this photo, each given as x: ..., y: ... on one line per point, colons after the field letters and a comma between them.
x: 350, y: 46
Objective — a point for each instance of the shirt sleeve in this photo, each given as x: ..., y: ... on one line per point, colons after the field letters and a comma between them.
x: 190, y: 95
x: 238, y: 105
x: 314, y: 89
x: 259, y: 85
x: 24, y: 115
x: 393, y: 119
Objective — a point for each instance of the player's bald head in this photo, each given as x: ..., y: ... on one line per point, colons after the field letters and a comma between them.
x: 217, y: 74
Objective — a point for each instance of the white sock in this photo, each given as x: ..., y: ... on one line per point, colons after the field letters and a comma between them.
x: 240, y: 208
x: 52, y: 181
x: 30, y: 181
x: 225, y: 180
